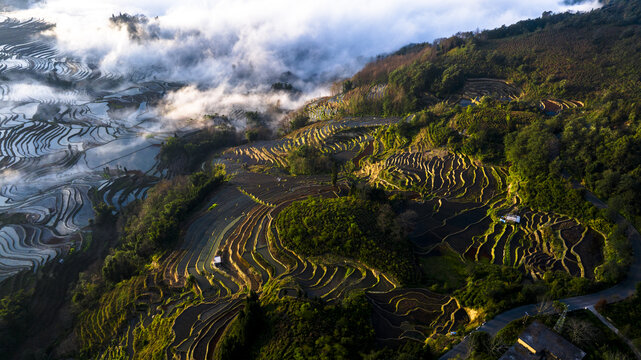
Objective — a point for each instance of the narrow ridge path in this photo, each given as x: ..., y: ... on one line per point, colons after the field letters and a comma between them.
x: 616, y: 331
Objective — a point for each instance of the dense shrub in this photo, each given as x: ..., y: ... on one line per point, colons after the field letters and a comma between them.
x: 307, y: 160
x: 561, y: 284
x: 617, y: 257
x: 314, y: 330
x: 154, y: 225
x: 184, y: 154
x: 14, y: 317
x: 356, y: 228
x: 626, y: 315
x: 120, y: 265
x: 243, y: 332
x: 298, y: 121
x: 294, y: 328
x: 493, y: 288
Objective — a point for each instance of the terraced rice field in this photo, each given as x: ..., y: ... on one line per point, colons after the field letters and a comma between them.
x: 18, y: 51
x: 462, y: 208
x: 555, y: 106
x: 239, y: 230
x: 462, y: 202
x: 326, y: 108
x: 65, y: 139
x: 253, y: 256
x: 415, y: 313
x: 475, y: 89
x: 59, y: 138
x: 332, y: 137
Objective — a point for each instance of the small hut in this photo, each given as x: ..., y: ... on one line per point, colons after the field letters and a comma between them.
x: 218, y: 261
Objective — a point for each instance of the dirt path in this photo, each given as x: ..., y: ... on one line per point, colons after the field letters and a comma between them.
x: 616, y: 331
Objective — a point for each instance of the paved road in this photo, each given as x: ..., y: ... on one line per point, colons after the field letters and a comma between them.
x: 616, y: 293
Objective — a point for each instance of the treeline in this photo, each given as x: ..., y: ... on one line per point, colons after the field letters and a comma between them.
x: 242, y: 334
x: 295, y: 328
x: 184, y: 154
x: 617, y: 12
x: 103, y: 302
x: 348, y: 226
x: 308, y: 160
x: 540, y: 153
x: 153, y: 224
x: 14, y: 320
x: 554, y: 55
x: 496, y: 288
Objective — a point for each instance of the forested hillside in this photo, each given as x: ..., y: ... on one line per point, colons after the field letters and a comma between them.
x: 438, y: 187
x: 572, y: 81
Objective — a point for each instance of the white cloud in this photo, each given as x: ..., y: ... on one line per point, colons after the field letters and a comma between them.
x: 190, y: 102
x: 242, y: 46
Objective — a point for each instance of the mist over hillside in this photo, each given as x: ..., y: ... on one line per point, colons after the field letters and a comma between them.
x: 231, y: 52
x: 91, y: 90
x: 287, y: 180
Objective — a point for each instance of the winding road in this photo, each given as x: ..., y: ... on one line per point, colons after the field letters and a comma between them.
x: 618, y: 292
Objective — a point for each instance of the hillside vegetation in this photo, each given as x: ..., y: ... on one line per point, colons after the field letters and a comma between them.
x: 358, y: 229
x: 382, y: 224
x: 591, y: 59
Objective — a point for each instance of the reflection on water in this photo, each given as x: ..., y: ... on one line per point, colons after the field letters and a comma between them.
x: 60, y: 138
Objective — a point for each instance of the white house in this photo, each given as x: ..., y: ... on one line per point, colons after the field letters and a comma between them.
x: 511, y: 218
